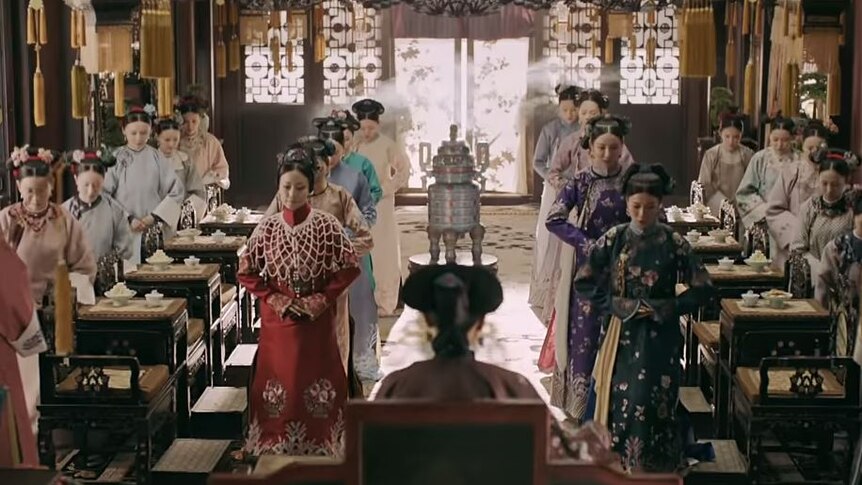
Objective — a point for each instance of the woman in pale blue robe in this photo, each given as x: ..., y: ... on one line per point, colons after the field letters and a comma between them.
x: 552, y: 133
x: 195, y: 193
x: 143, y: 182
x: 103, y: 220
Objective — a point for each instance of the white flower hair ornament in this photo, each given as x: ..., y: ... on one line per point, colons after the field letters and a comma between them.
x: 150, y: 110
x: 19, y: 155
x: 78, y: 156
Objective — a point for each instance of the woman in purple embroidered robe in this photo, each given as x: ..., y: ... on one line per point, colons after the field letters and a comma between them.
x: 594, y: 197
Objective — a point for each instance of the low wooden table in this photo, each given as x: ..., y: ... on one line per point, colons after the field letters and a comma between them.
x: 747, y: 335
x: 231, y: 225
x: 226, y: 253
x: 200, y: 286
x: 154, y: 335
x: 711, y: 251
x: 738, y: 280
x: 686, y: 222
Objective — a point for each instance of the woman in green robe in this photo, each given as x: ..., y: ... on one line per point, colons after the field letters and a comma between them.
x: 631, y: 278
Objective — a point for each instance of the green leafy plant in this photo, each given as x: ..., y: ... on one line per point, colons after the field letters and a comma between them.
x: 720, y: 100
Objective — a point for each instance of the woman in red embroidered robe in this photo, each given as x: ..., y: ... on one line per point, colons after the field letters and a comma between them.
x: 299, y: 261
x: 19, y: 334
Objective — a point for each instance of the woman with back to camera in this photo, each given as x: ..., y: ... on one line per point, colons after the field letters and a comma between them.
x: 299, y: 261
x: 454, y: 300
x: 631, y: 278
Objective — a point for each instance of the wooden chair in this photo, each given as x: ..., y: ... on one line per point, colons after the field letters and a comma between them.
x: 757, y: 237
x: 728, y: 217
x: 797, y: 271
x: 793, y: 400
x: 399, y: 443
x: 696, y: 193
x: 133, y: 402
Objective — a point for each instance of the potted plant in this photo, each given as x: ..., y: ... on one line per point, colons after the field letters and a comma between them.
x: 720, y: 100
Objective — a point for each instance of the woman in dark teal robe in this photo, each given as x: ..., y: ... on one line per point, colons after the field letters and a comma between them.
x: 631, y: 278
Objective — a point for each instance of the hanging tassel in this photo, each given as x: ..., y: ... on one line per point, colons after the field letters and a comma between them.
x: 730, y: 58
x: 38, y: 95
x: 82, y: 28
x: 78, y: 108
x: 787, y: 90
x: 746, y: 17
x: 799, y: 19
x: 650, y: 51
x: 633, y: 47
x: 289, y: 52
x: 43, y: 27
x: 749, y: 96
x: 319, y: 38
x: 31, y: 26
x: 233, y: 53
x: 221, y: 58
x: 594, y: 46
x: 758, y: 19
x: 785, y: 18
x: 833, y: 92
x: 727, y: 10
x: 732, y: 7
x: 119, y: 95
x: 651, y: 17
x: 73, y: 29
x: 609, y: 50
x: 275, y: 54
x: 63, y: 325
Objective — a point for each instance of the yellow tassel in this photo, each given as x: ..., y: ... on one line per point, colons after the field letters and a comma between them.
x: 799, y: 19
x: 82, y: 29
x: 746, y: 17
x: 73, y: 29
x: 38, y: 98
x: 234, y: 13
x: 758, y: 19
x: 609, y: 50
x: 650, y: 51
x: 43, y: 27
x: 233, y: 53
x: 730, y: 59
x: 319, y: 47
x: 787, y: 91
x: 76, y: 89
x: 31, y: 26
x: 749, y: 96
x: 732, y: 7
x: 289, y: 52
x: 221, y: 59
x: 633, y: 46
x: 275, y: 54
x: 651, y: 17
x: 63, y: 325
x: 785, y: 19
x: 594, y: 46
x: 119, y: 95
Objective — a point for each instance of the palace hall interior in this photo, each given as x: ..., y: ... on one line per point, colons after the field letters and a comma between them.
x: 430, y: 242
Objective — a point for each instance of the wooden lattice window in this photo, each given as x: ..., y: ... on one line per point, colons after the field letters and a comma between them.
x: 646, y: 82
x: 354, y: 53
x: 568, y: 47
x: 287, y: 86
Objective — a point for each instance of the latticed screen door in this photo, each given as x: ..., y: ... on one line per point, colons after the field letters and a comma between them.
x: 478, y: 85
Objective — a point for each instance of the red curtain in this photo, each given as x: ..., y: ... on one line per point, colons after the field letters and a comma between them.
x: 510, y: 22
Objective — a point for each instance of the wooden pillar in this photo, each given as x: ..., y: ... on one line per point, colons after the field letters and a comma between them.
x: 853, y: 71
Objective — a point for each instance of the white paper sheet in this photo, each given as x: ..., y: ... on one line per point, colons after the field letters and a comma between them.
x: 84, y: 289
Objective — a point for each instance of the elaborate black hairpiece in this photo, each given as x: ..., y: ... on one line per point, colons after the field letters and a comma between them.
x: 825, y: 155
x: 602, y: 124
x: 567, y: 93
x: 593, y: 95
x: 368, y: 109
x: 651, y: 179
x: 330, y: 128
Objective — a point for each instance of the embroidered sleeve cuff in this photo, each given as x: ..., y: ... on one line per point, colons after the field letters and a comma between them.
x: 31, y: 341
x: 316, y: 304
x: 279, y: 302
